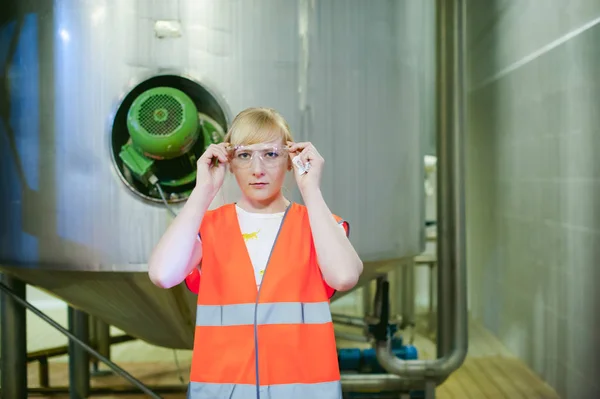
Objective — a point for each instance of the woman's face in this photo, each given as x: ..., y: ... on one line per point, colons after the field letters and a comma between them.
x: 260, y: 169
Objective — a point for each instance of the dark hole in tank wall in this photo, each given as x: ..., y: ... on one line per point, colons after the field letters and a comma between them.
x: 205, y: 103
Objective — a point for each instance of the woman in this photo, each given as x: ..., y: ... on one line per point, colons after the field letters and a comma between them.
x: 263, y: 334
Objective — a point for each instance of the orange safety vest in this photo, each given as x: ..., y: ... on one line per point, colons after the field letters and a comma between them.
x: 274, y: 343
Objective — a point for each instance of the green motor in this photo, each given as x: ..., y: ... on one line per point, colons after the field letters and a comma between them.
x: 164, y: 126
x: 163, y: 123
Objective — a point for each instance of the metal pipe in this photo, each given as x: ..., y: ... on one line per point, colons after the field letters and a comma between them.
x: 72, y: 337
x: 369, y: 383
x: 63, y: 350
x: 13, y: 344
x: 445, y: 34
x: 451, y: 247
x: 79, y: 359
x: 354, y: 321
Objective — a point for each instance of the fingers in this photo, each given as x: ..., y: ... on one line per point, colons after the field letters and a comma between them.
x: 308, y: 152
x: 215, y: 151
x: 295, y: 147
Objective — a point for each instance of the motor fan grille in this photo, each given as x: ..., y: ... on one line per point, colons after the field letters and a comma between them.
x: 160, y: 114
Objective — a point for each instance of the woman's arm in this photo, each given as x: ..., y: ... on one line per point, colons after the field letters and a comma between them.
x: 180, y: 249
x: 340, y: 264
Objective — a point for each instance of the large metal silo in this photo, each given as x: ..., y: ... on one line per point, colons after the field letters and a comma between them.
x: 77, y: 224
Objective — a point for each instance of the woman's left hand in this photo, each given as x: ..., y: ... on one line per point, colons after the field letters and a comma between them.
x: 311, y: 180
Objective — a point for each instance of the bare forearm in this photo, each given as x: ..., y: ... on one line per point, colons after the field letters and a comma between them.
x: 179, y: 248
x: 340, y: 264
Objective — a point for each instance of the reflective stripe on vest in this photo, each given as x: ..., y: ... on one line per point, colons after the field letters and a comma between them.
x: 329, y: 390
x: 266, y: 313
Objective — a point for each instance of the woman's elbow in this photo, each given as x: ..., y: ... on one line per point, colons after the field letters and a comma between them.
x: 346, y: 281
x: 160, y: 277
x: 343, y: 284
x: 167, y: 271
x: 157, y: 279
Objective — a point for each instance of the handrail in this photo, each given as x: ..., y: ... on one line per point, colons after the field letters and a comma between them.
x: 73, y: 338
x: 64, y: 350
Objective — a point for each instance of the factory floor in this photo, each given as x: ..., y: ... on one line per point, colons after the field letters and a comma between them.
x: 489, y: 371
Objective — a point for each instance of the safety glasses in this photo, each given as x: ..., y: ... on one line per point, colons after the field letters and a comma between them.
x: 271, y: 156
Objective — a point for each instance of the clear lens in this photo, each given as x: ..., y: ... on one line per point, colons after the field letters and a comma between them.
x: 270, y: 156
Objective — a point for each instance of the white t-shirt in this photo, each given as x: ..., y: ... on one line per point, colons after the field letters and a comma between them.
x: 259, y: 231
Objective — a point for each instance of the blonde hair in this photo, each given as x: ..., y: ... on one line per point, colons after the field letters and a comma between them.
x: 258, y: 125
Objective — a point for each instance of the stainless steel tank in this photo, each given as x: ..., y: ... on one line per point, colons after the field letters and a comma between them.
x: 341, y: 72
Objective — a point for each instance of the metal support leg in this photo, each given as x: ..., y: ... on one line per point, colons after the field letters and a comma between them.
x: 102, y: 337
x: 396, y: 298
x: 367, y: 296
x: 408, y: 295
x: 432, y: 296
x: 93, y: 340
x: 430, y: 390
x: 79, y: 359
x: 13, y: 346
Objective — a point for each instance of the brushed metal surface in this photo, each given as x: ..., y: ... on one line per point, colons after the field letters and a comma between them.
x: 127, y: 300
x: 344, y: 74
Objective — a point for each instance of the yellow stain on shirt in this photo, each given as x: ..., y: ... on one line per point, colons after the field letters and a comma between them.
x: 251, y: 236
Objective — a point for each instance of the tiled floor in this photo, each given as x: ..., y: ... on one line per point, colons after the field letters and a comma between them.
x: 489, y: 371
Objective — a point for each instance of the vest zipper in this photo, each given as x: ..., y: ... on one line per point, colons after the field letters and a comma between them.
x: 256, y: 303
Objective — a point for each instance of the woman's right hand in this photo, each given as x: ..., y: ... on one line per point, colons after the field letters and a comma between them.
x: 211, y: 168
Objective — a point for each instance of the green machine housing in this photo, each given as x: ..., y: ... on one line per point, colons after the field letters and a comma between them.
x: 166, y: 131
